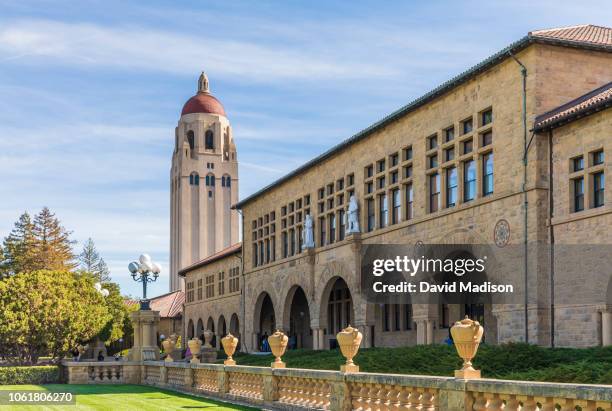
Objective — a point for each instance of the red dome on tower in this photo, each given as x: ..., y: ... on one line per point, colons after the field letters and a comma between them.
x: 203, y: 101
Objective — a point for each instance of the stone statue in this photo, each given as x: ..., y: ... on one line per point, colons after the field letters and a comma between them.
x: 352, y: 216
x: 307, y: 233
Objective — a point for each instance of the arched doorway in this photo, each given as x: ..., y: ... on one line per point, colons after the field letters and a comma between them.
x: 210, y: 325
x: 200, y: 330
x: 297, y: 319
x: 222, y: 327
x: 190, y: 329
x: 235, y: 329
x: 265, y: 319
x: 339, y: 309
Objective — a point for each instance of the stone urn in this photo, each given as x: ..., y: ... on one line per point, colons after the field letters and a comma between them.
x: 195, y: 345
x: 168, y: 345
x: 278, y: 344
x: 467, y: 335
x: 349, y: 340
x: 229, y: 343
x: 208, y: 335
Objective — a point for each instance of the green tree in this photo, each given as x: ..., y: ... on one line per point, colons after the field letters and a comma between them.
x: 91, y: 262
x: 53, y: 246
x: 114, y: 329
x: 18, y: 251
x: 48, y: 313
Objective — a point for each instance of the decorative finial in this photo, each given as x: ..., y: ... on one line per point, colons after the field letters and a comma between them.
x: 203, y: 83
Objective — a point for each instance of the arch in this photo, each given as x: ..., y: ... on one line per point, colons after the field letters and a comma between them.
x: 296, y: 318
x: 210, y: 325
x: 264, y: 318
x: 336, y: 310
x: 234, y: 329
x: 209, y: 140
x: 191, y: 139
x: 190, y: 329
x: 222, y: 327
x: 200, y: 330
x: 234, y: 325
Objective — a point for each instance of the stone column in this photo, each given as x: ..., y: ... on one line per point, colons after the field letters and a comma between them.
x: 606, y: 328
x: 430, y: 331
x: 321, y: 339
x: 145, y: 332
x: 421, y: 332
x: 315, y: 338
x: 255, y: 347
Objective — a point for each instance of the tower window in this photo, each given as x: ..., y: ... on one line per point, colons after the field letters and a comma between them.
x: 209, y: 143
x: 191, y: 139
x: 194, y: 179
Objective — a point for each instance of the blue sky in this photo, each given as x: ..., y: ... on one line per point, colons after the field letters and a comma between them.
x: 90, y: 93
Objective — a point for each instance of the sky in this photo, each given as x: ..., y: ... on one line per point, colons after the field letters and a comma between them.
x: 90, y: 93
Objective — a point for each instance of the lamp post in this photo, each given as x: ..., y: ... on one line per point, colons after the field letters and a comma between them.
x: 145, y: 271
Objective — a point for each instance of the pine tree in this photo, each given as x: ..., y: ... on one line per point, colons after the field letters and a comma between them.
x: 18, y: 253
x: 53, y: 246
x: 91, y: 262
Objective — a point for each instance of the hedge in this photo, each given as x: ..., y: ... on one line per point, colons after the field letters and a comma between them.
x: 46, y: 374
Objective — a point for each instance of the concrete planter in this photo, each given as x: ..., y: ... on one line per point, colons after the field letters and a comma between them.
x: 467, y: 335
x: 349, y: 340
x: 278, y: 344
x: 229, y: 343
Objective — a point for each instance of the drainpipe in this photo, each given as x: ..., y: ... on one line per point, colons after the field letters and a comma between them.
x: 525, y: 201
x: 552, y: 237
x: 242, y: 296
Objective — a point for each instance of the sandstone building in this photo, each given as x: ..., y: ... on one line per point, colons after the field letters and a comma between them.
x: 510, y: 153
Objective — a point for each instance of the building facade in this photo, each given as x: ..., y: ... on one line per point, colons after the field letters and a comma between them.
x: 203, y: 183
x: 482, y: 159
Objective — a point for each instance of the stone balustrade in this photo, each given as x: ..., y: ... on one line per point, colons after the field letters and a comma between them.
x: 289, y: 389
x: 102, y: 372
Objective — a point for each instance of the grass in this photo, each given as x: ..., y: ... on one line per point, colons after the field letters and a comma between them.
x: 120, y: 397
x: 508, y: 361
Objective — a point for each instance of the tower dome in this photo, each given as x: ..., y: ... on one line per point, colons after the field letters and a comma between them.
x: 203, y: 101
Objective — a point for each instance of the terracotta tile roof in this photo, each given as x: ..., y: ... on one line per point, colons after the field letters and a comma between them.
x: 169, y: 305
x: 585, y: 33
x: 232, y: 249
x: 585, y: 37
x: 593, y: 101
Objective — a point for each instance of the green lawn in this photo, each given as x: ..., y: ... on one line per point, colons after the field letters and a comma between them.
x: 120, y: 397
x: 509, y: 361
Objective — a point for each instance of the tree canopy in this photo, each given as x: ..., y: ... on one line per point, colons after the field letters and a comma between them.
x: 47, y: 306
x: 48, y: 313
x: 41, y: 244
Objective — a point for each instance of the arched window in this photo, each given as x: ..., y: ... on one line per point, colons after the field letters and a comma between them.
x: 210, y: 180
x: 209, y: 143
x: 226, y: 181
x: 194, y: 179
x: 191, y: 139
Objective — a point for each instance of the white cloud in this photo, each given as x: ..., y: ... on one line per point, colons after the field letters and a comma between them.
x: 157, y: 50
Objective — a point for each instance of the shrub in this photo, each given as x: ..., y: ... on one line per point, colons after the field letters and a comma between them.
x: 29, y: 375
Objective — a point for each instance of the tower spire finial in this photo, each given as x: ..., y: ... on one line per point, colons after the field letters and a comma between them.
x: 203, y: 84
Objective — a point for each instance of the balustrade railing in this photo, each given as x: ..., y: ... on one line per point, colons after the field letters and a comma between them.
x: 287, y: 388
x: 103, y: 373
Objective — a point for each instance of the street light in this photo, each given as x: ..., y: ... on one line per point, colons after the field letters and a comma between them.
x: 145, y: 271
